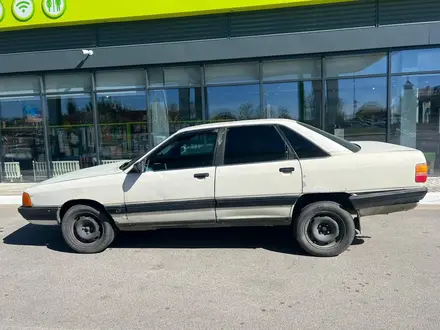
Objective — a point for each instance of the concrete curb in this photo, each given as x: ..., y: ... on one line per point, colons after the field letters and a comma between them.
x: 432, y: 198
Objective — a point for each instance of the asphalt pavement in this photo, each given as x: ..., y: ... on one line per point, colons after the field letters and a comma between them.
x: 246, y: 278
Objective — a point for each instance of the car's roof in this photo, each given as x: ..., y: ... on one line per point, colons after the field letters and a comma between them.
x: 239, y: 123
x: 323, y: 142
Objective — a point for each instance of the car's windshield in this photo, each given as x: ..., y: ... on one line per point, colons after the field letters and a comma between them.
x: 346, y: 144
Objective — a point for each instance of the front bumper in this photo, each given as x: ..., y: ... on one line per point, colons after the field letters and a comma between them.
x: 40, y: 215
x: 384, y: 202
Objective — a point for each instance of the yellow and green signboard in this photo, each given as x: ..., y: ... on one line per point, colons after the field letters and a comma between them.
x: 25, y: 14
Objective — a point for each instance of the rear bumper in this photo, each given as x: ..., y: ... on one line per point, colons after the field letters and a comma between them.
x: 39, y: 215
x: 384, y: 202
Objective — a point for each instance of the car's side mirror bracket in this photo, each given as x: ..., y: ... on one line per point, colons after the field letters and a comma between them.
x: 138, y: 167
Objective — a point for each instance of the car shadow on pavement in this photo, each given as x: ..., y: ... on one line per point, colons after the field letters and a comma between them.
x: 275, y: 239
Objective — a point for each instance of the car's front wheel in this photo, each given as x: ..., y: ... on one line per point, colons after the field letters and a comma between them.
x: 87, y: 229
x: 324, y: 229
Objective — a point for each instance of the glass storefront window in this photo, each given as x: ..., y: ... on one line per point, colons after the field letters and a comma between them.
x: 174, y: 109
x: 22, y: 137
x: 237, y: 73
x: 415, y: 115
x: 356, y: 108
x: 68, y: 83
x: 294, y: 100
x: 19, y: 85
x: 233, y: 103
x: 415, y: 60
x: 71, y: 132
x: 122, y: 124
x: 174, y: 77
x: 291, y: 69
x: 121, y: 79
x: 355, y: 65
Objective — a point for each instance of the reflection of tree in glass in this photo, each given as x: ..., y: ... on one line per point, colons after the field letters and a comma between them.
x: 283, y: 112
x: 111, y: 108
x: 74, y: 114
x: 339, y: 116
x: 247, y: 111
x: 224, y: 116
x: 72, y: 108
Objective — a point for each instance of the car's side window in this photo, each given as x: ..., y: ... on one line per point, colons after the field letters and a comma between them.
x: 191, y: 150
x: 254, y: 144
x: 304, y: 148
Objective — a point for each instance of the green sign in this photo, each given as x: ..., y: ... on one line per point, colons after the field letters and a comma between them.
x: 23, y: 10
x: 2, y: 11
x: 54, y: 8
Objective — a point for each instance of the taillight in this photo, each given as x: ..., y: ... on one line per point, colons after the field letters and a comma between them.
x: 26, y: 200
x: 421, y: 173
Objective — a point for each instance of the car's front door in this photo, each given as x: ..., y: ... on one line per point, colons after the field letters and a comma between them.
x: 177, y: 184
x: 260, y: 178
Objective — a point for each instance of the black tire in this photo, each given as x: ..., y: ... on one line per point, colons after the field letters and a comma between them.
x: 324, y: 229
x: 87, y: 229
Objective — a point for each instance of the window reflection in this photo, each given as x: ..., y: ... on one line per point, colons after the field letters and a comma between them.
x: 233, y: 102
x: 415, y: 109
x: 232, y: 73
x: 174, y: 109
x: 71, y: 132
x: 291, y: 69
x: 415, y: 60
x: 351, y: 65
x: 22, y: 136
x: 122, y: 125
x: 356, y: 108
x: 294, y: 100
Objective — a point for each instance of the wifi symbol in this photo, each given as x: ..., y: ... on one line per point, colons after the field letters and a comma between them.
x: 23, y: 5
x: 23, y: 10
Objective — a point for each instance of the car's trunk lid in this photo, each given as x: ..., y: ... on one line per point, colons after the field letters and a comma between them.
x: 378, y: 147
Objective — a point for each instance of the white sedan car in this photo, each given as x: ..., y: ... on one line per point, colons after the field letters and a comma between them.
x: 269, y: 172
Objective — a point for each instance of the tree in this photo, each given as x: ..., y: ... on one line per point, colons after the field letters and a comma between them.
x: 283, y: 112
x: 224, y: 116
x: 72, y: 108
x: 247, y: 111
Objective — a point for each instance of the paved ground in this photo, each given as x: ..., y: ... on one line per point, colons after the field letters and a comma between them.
x: 222, y: 279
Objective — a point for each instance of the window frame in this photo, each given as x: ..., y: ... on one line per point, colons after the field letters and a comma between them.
x: 223, y: 136
x: 178, y: 136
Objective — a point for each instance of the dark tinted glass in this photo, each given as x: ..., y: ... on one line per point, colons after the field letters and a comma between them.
x: 252, y: 144
x: 188, y: 151
x: 303, y: 147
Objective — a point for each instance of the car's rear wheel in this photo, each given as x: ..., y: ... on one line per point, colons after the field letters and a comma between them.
x: 324, y: 229
x: 87, y: 229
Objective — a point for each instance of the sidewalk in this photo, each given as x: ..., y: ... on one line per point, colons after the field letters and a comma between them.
x: 10, y: 193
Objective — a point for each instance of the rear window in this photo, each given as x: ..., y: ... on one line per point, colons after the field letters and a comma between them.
x: 346, y: 144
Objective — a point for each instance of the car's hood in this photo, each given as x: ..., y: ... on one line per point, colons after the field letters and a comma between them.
x: 376, y: 147
x: 85, y: 173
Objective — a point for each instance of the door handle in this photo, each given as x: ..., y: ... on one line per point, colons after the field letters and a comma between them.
x: 287, y: 169
x: 201, y: 175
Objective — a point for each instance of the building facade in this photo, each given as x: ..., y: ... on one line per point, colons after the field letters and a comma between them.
x: 363, y: 70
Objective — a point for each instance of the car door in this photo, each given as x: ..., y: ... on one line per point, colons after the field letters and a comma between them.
x: 177, y: 185
x: 259, y: 179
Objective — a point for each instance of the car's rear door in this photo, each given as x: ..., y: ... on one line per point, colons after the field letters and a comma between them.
x: 178, y: 183
x: 259, y: 178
